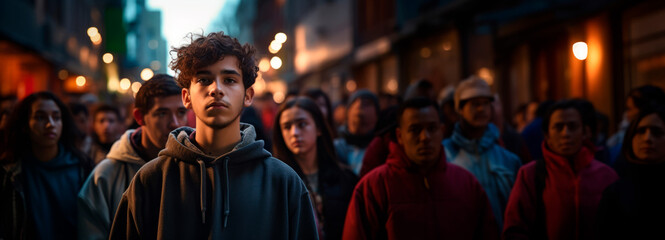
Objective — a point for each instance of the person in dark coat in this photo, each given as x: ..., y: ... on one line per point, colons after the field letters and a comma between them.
x: 41, y: 171
x: 303, y: 140
x: 633, y: 207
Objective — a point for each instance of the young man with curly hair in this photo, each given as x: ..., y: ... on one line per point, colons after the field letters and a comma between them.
x: 215, y: 181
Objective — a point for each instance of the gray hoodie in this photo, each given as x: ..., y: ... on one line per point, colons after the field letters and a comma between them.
x: 101, y: 192
x: 187, y: 194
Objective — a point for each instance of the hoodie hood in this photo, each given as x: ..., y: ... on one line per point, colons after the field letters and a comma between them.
x: 123, y: 151
x: 489, y: 138
x: 180, y: 147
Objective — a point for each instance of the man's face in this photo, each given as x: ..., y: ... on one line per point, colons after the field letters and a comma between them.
x: 45, y: 123
x: 477, y: 112
x: 167, y: 114
x: 361, y: 117
x: 106, y: 127
x: 420, y: 134
x: 82, y: 123
x: 649, y: 140
x: 566, y: 133
x: 217, y: 94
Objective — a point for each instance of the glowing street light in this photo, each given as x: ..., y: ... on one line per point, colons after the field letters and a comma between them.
x: 280, y: 37
x: 274, y: 47
x: 264, y: 65
x: 125, y: 84
x: 146, y: 74
x: 580, y: 50
x: 80, y: 81
x: 107, y: 58
x: 276, y: 62
x: 136, y: 86
x: 92, y: 31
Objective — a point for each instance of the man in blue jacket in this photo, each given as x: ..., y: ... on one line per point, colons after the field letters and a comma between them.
x: 475, y: 144
x: 215, y: 181
x: 159, y: 110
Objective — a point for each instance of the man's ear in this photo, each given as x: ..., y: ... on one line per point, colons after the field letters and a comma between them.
x: 186, y: 98
x: 138, y: 116
x: 398, y: 135
x: 249, y: 96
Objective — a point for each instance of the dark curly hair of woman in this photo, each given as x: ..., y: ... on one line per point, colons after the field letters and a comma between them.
x: 204, y: 51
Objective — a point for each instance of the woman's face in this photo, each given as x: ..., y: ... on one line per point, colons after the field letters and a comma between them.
x: 299, y: 130
x: 649, y: 140
x: 45, y: 123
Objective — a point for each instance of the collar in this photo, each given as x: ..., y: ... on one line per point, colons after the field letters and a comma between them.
x: 398, y: 158
x: 580, y: 160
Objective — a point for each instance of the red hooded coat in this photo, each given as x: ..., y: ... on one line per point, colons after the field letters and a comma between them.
x: 397, y: 201
x: 570, y: 197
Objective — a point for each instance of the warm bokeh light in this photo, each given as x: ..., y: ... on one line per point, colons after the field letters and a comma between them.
x: 80, y: 81
x: 146, y: 74
x: 96, y: 39
x: 107, y: 58
x: 425, y: 52
x: 63, y: 74
x: 259, y: 84
x: 136, y: 86
x: 92, y: 31
x: 113, y: 84
x: 125, y: 84
x: 351, y: 85
x: 280, y: 37
x: 278, y: 97
x: 392, y: 86
x: 486, y: 75
x: 274, y: 47
x: 447, y: 46
x: 264, y: 65
x: 580, y: 50
x: 276, y: 62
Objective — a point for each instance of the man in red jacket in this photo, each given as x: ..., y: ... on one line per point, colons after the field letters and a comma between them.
x: 557, y: 198
x: 417, y: 194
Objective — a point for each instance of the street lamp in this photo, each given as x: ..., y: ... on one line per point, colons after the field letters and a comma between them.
x: 581, y: 51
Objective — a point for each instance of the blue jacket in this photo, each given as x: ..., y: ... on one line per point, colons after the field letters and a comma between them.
x: 187, y: 194
x: 494, y: 167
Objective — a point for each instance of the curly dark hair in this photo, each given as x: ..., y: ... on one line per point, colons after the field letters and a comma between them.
x: 206, y: 50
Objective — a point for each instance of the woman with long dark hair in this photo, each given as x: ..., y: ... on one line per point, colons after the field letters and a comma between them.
x: 303, y: 140
x: 42, y: 171
x: 633, y: 207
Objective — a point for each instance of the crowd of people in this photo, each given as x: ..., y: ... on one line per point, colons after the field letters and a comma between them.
x: 373, y: 167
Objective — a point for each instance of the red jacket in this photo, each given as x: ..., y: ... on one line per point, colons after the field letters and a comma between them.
x: 397, y: 201
x: 570, y: 197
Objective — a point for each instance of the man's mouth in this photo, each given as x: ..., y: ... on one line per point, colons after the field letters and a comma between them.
x: 217, y: 105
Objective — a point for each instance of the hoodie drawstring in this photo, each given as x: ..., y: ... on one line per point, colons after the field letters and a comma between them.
x: 226, y: 193
x: 204, y: 179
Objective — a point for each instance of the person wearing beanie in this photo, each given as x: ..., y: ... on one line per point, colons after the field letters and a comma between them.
x: 361, y: 118
x: 474, y: 144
